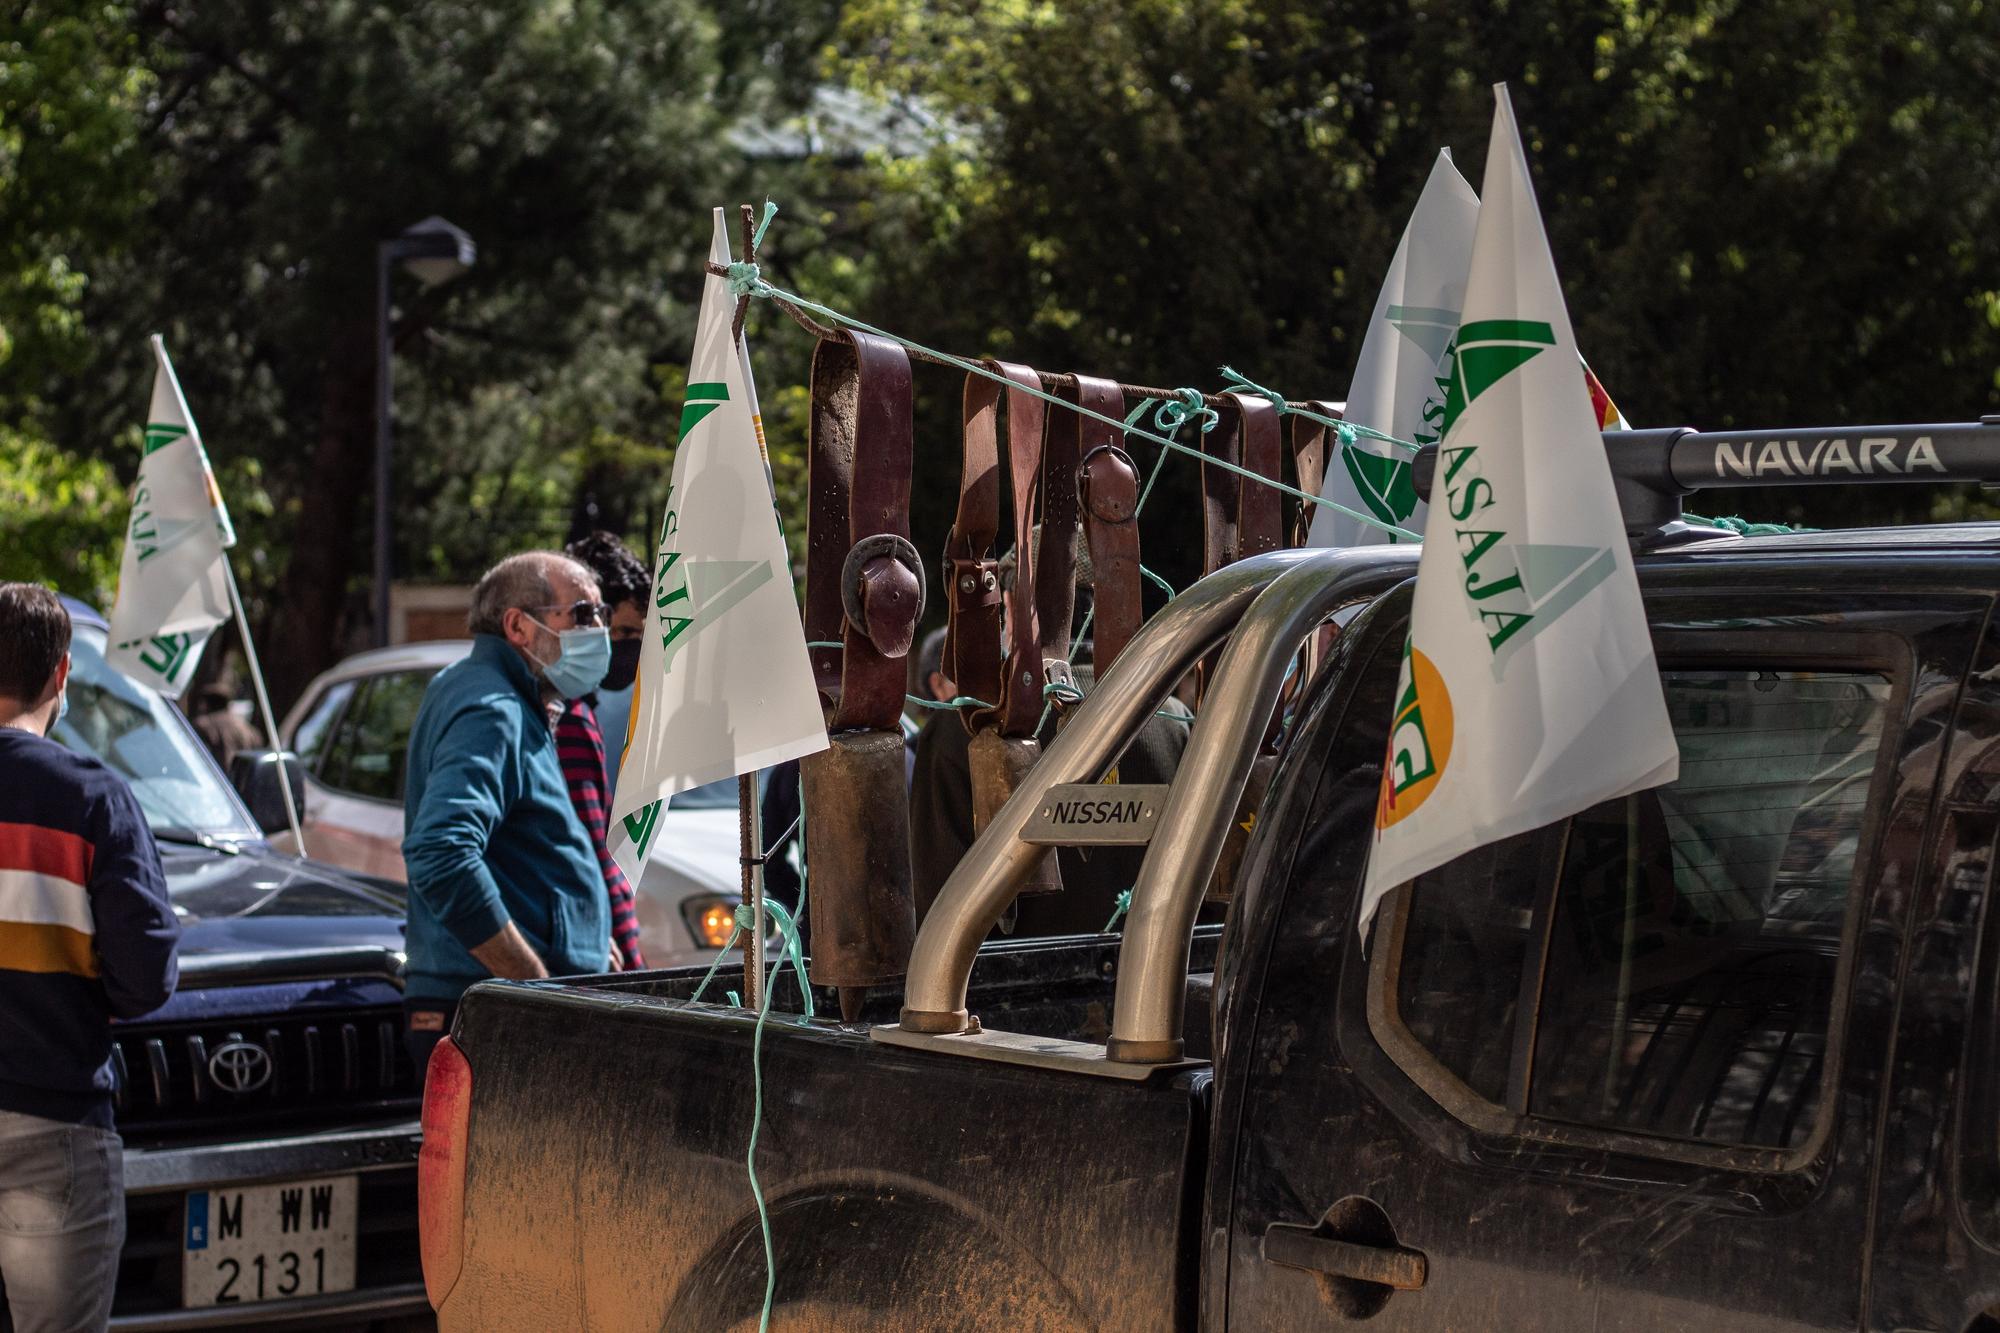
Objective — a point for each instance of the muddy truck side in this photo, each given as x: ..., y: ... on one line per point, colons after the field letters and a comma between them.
x: 1720, y: 1052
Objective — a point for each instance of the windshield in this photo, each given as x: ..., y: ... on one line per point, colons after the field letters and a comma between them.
x: 140, y: 737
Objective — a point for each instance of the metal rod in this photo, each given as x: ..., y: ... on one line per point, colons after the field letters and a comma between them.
x: 750, y: 822
x: 1052, y: 382
x: 998, y: 862
x: 264, y: 705
x: 383, y: 406
x: 1152, y: 963
x: 1945, y: 451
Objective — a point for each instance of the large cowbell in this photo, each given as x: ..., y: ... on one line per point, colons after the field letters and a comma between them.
x: 864, y: 588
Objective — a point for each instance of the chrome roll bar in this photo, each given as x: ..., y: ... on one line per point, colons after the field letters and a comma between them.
x: 998, y: 862
x: 1152, y: 964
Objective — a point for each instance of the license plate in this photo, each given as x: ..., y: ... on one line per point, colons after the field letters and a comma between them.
x: 269, y: 1242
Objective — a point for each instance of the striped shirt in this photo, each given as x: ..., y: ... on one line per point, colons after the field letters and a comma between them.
x: 86, y: 928
x: 580, y: 747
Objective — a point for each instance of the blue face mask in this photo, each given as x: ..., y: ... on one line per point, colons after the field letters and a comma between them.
x: 581, y: 662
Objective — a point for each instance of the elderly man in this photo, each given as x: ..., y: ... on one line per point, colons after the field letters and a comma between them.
x: 503, y: 880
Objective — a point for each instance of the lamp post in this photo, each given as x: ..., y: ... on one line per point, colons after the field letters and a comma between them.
x: 432, y: 251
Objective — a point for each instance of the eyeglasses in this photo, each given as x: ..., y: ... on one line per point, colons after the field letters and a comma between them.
x: 583, y: 611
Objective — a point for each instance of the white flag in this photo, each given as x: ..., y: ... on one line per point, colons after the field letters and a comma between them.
x: 1396, y: 387
x: 1528, y: 690
x: 724, y: 686
x: 173, y: 582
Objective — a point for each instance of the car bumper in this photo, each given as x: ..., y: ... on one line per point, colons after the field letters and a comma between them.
x: 388, y: 1275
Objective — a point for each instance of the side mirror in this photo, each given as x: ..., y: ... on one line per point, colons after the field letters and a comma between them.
x: 255, y: 775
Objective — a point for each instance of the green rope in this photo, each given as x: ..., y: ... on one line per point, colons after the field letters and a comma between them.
x: 1118, y: 912
x: 1744, y: 527
x: 744, y: 280
x: 1175, y: 412
x: 1346, y: 430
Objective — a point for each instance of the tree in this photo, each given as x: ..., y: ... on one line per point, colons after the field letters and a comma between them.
x: 1763, y: 214
x: 579, y: 143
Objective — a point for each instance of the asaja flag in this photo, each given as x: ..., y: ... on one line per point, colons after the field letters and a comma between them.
x: 173, y: 584
x: 724, y: 683
x: 1398, y: 387
x: 1528, y: 690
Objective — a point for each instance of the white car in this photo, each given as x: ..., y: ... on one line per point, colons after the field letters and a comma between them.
x: 351, y: 732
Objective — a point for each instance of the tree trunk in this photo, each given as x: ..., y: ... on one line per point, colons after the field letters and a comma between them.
x: 307, y: 621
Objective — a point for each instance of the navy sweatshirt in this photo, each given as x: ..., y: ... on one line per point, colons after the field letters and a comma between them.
x: 86, y: 928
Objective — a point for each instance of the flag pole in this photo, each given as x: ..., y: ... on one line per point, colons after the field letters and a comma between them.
x: 264, y: 707
x: 751, y: 824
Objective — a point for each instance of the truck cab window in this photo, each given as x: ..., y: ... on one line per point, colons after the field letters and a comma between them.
x: 1664, y: 963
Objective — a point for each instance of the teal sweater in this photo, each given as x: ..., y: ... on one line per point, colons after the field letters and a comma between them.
x: 489, y: 834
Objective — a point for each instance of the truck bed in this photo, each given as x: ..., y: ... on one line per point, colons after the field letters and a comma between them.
x: 606, y: 1187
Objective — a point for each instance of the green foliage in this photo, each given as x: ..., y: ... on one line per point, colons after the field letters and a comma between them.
x: 71, y: 87
x: 1764, y: 214
x: 62, y: 518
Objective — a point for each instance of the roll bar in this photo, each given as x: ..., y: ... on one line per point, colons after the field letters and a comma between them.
x: 1152, y: 964
x: 1279, y: 597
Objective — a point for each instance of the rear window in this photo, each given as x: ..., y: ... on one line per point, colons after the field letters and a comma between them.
x: 1665, y: 963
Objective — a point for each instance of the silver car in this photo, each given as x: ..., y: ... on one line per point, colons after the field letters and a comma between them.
x: 351, y: 732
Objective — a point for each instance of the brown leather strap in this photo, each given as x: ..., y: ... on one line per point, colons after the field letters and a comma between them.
x: 971, y: 574
x: 1022, y: 680
x: 972, y: 643
x: 1108, y: 489
x: 1221, y: 493
x: 1309, y: 455
x: 860, y: 498
x: 1072, y: 435
x: 1260, y: 511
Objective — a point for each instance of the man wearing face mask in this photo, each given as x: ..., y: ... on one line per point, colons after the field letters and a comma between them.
x: 624, y: 583
x: 503, y: 879
x: 592, y: 729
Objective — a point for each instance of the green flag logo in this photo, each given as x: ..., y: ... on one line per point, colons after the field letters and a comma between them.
x: 702, y: 398
x: 167, y: 655
x: 160, y: 434
x: 1429, y: 327
x: 1385, y: 485
x: 641, y: 825
x: 1487, y: 351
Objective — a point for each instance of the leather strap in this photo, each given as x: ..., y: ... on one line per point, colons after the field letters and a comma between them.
x: 1221, y: 492
x: 972, y: 644
x: 1072, y: 435
x: 1027, y: 435
x: 1108, y: 489
x: 1260, y: 510
x: 1055, y: 553
x: 1309, y: 457
x: 860, y: 491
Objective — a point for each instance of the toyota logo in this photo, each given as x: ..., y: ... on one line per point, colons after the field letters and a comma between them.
x: 240, y: 1067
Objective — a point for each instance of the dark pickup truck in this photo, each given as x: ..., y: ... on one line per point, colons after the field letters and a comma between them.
x: 1717, y: 1054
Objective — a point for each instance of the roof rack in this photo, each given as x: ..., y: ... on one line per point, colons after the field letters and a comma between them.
x: 1653, y: 469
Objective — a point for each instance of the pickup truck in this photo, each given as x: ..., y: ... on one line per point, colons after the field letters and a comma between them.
x: 1722, y: 1053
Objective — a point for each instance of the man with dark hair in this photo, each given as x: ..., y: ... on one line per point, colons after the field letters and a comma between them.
x: 87, y: 933
x: 503, y: 881
x: 624, y: 584
x: 593, y: 726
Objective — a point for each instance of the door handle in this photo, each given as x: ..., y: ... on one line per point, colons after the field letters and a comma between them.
x: 1309, y: 1248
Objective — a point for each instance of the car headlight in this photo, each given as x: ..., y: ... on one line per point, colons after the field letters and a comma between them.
x: 711, y: 919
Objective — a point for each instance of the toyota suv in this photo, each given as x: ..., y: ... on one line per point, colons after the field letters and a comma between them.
x: 269, y: 1108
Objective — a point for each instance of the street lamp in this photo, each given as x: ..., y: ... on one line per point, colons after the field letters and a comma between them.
x: 433, y: 251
